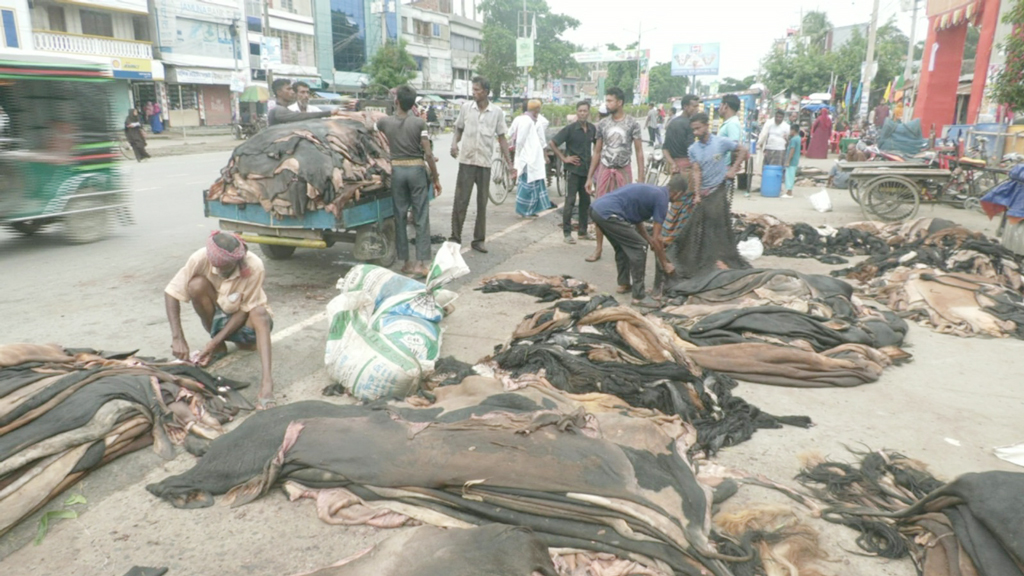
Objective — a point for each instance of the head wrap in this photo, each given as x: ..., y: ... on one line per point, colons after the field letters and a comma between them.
x: 533, y: 105
x: 222, y: 258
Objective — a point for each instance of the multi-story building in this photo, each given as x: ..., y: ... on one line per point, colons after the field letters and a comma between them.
x: 428, y: 35
x: 358, y: 29
x: 15, y: 26
x: 291, y: 22
x: 202, y: 46
x: 115, y: 31
x: 466, y: 38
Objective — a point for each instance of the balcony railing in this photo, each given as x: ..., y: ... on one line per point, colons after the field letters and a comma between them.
x: 91, y: 45
x: 423, y: 40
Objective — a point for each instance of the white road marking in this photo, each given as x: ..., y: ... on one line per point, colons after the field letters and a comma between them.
x: 298, y: 327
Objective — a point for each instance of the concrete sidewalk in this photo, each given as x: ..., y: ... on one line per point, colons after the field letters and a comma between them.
x: 178, y: 144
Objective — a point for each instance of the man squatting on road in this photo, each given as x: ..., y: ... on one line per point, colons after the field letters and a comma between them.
x: 224, y: 283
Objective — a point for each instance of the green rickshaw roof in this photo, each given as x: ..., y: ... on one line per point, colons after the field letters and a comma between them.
x: 45, y: 67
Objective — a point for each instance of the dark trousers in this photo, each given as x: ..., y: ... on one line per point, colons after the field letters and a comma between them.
x: 410, y: 188
x: 575, y: 185
x: 468, y: 176
x: 630, y: 251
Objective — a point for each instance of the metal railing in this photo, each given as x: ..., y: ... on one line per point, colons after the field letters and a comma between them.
x: 91, y: 45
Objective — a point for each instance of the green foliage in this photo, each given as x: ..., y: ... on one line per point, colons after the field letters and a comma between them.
x: 622, y: 74
x: 815, y: 27
x: 729, y: 84
x: 1008, y: 85
x: 809, y: 69
x: 552, y: 54
x: 663, y: 85
x: 392, y: 65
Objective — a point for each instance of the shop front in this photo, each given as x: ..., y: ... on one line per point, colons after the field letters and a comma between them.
x: 199, y: 97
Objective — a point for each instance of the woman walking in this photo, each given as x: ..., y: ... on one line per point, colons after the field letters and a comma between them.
x: 821, y: 135
x: 532, y: 193
x: 155, y: 122
x: 133, y: 132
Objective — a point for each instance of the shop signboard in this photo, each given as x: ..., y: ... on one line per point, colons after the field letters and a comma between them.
x: 195, y: 28
x: 609, y: 56
x: 132, y: 68
x: 200, y: 76
x: 696, y: 59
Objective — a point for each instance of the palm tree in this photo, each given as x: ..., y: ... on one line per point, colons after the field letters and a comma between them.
x: 815, y: 27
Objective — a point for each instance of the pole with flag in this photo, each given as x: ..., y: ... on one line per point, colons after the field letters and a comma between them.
x: 888, y: 91
x: 847, y: 100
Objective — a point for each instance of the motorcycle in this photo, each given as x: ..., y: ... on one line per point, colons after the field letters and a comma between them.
x: 655, y: 166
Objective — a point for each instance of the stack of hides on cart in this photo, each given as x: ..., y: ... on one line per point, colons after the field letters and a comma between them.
x: 783, y: 327
x: 290, y: 169
x: 64, y: 413
x: 587, y: 473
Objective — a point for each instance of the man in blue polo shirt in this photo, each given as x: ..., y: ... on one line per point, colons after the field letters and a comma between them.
x: 621, y: 215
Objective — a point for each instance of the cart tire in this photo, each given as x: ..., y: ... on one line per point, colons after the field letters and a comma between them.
x: 972, y: 203
x: 87, y: 227
x: 388, y: 231
x: 560, y: 183
x: 28, y: 227
x: 854, y: 191
x: 891, y: 198
x: 275, y: 252
x: 126, y: 149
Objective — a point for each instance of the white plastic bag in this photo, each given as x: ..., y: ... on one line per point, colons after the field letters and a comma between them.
x: 821, y: 201
x: 751, y: 249
x: 385, y: 329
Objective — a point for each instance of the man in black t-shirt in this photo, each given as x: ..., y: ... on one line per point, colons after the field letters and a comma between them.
x: 410, y: 188
x: 679, y: 137
x: 578, y: 139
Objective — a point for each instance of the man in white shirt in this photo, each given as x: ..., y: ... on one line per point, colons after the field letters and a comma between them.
x: 773, y: 140
x: 302, y: 95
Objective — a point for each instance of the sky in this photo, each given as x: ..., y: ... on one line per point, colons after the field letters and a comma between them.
x: 745, y: 29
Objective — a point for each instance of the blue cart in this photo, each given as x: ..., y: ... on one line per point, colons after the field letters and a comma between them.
x: 368, y: 223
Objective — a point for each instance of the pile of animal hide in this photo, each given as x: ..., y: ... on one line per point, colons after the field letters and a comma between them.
x: 783, y: 327
x: 587, y: 473
x: 943, y: 275
x: 546, y: 288
x: 305, y: 166
x: 595, y: 345
x: 64, y: 413
x: 969, y: 527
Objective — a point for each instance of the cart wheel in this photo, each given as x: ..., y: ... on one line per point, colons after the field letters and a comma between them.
x: 854, y: 191
x: 560, y: 183
x: 891, y: 198
x: 388, y: 232
x: 87, y: 227
x: 972, y: 203
x: 28, y: 227
x: 275, y: 252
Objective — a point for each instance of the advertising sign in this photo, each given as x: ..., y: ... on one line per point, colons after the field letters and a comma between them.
x: 132, y: 68
x: 524, y: 52
x: 608, y: 56
x: 695, y: 59
x: 270, y: 51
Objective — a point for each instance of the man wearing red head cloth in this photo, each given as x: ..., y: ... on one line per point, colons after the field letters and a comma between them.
x: 224, y: 283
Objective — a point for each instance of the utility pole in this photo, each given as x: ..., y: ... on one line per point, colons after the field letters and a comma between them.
x: 908, y: 69
x: 869, y: 67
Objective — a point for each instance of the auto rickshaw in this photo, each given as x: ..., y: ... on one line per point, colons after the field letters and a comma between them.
x: 59, y: 157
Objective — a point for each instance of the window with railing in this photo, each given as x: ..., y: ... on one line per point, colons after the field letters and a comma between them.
x: 140, y: 27
x: 55, y: 19
x: 97, y: 23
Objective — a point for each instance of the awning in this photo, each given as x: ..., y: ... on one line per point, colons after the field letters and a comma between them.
x: 327, y: 95
x: 964, y: 15
x: 434, y: 97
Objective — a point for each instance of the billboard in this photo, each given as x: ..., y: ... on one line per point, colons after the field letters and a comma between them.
x: 695, y: 59
x: 524, y: 52
x: 609, y: 56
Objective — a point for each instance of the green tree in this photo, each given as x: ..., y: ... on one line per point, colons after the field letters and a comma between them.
x: 729, y: 84
x: 391, y: 66
x: 1008, y: 85
x: 552, y: 54
x: 664, y: 86
x: 815, y: 26
x: 622, y: 74
x: 890, y: 53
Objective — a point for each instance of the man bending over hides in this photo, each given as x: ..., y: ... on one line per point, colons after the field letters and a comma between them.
x: 224, y: 283
x: 621, y: 216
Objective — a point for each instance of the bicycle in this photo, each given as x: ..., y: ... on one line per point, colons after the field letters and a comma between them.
x: 126, y: 149
x: 501, y: 182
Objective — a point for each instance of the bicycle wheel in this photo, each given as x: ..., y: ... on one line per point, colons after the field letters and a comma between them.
x: 890, y: 198
x: 126, y: 148
x: 854, y: 191
x: 500, y: 183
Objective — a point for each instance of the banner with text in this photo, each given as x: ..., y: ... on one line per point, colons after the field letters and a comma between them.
x: 695, y: 59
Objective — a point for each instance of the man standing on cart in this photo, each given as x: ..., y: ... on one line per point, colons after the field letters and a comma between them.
x: 410, y: 188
